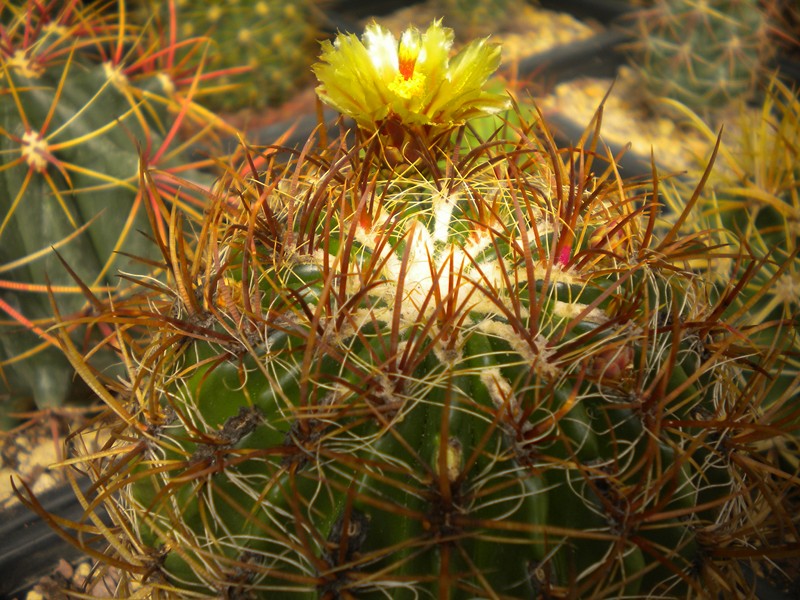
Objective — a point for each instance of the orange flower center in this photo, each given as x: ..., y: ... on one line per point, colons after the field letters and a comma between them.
x: 407, y: 82
x: 406, y: 59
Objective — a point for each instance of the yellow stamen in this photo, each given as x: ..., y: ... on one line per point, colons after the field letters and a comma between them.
x: 408, y: 88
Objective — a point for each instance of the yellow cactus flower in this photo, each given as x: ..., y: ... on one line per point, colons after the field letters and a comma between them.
x: 415, y: 81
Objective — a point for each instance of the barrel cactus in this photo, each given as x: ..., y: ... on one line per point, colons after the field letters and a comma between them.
x: 261, y: 49
x: 479, y: 17
x: 704, y: 54
x: 80, y: 114
x: 404, y: 366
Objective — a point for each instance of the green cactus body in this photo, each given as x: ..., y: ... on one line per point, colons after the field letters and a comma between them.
x: 71, y: 133
x: 265, y: 46
x: 44, y: 206
x: 418, y: 361
x: 703, y: 54
x: 471, y: 370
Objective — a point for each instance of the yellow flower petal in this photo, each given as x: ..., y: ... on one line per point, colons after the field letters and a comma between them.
x: 413, y: 81
x: 381, y: 46
x: 466, y: 76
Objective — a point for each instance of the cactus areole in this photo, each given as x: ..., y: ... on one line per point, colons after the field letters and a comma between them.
x: 475, y: 374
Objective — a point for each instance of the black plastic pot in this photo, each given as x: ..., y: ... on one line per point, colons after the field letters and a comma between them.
x: 29, y: 548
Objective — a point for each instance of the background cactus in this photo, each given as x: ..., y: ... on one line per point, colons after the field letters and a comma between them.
x: 703, y: 54
x: 472, y: 18
x: 755, y: 194
x: 479, y: 372
x: 80, y: 114
x: 265, y: 47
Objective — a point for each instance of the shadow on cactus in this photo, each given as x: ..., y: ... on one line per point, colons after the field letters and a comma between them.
x: 86, y: 99
x: 468, y: 372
